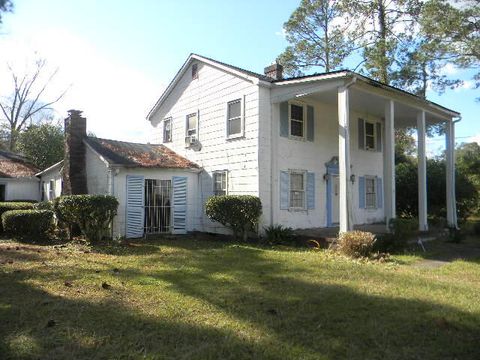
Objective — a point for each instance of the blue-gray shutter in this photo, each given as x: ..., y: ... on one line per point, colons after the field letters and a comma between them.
x: 379, y: 136
x: 310, y: 123
x: 379, y: 193
x: 284, y: 119
x: 310, y: 190
x: 361, y: 134
x: 135, y: 206
x: 179, y: 184
x: 284, y: 190
x: 361, y: 192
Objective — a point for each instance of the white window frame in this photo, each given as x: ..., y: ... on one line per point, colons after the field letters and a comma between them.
x: 165, y: 140
x: 374, y: 179
x: 242, y: 119
x: 223, y: 173
x: 304, y: 129
x: 304, y: 174
x: 197, y: 114
x: 374, y: 135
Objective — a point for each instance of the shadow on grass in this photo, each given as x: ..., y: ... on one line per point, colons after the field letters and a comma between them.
x: 441, y: 250
x: 252, y: 293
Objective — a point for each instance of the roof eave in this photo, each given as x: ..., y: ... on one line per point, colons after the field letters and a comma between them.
x: 179, y: 74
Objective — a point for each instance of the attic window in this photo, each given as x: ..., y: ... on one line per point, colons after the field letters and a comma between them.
x: 195, y: 71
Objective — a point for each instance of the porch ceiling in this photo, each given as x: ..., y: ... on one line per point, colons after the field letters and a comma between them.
x: 371, y: 104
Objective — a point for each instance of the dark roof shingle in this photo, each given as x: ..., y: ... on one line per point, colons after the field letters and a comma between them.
x: 15, y: 166
x: 139, y: 155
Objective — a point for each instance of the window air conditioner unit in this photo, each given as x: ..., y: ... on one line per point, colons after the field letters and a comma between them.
x: 190, y: 140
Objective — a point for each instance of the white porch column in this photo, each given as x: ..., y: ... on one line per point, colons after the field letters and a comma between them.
x: 346, y: 224
x: 422, y: 173
x: 450, y: 173
x: 389, y: 162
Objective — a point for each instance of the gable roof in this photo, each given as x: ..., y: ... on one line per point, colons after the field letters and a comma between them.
x: 14, y: 165
x: 127, y: 154
x: 55, y: 166
x: 252, y: 76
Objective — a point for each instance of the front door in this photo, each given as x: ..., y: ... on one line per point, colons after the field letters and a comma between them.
x: 158, y: 203
x: 335, y: 199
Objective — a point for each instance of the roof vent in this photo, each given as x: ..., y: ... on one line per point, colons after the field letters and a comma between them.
x: 274, y: 71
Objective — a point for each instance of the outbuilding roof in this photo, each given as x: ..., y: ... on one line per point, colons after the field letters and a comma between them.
x: 127, y: 154
x: 14, y: 165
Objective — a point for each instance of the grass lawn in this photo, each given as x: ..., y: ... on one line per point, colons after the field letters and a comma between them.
x: 200, y: 299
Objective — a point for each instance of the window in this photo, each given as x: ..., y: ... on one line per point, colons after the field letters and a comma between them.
x: 297, y: 120
x: 369, y: 136
x: 220, y: 183
x: 167, y: 130
x: 51, y: 190
x: 234, y: 118
x: 195, y: 71
x: 192, y: 124
x: 297, y: 190
x: 370, y: 192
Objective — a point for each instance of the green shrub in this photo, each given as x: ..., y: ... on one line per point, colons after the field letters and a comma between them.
x: 27, y: 223
x: 401, y: 231
x: 92, y: 213
x: 356, y: 244
x: 238, y: 212
x: 279, y: 234
x: 43, y: 205
x: 7, y: 206
x: 455, y: 235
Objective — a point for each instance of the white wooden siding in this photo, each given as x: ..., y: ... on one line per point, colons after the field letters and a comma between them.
x: 209, y: 94
x: 21, y: 189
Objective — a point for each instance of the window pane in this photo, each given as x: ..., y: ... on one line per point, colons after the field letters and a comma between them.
x: 234, y: 126
x: 296, y: 112
x: 370, y: 142
x: 296, y: 181
x: 296, y: 199
x: 192, y: 121
x: 369, y: 129
x: 297, y: 128
x: 234, y: 109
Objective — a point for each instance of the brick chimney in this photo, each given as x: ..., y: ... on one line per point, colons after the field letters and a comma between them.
x: 74, y: 173
x: 274, y: 71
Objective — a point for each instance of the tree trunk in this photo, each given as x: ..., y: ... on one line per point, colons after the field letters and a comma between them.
x: 383, y: 60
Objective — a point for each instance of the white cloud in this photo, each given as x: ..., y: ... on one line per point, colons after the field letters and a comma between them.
x: 475, y: 138
x: 115, y: 98
x: 449, y: 69
x: 467, y: 85
x: 282, y: 33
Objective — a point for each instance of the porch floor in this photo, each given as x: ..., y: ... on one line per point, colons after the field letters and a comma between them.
x: 332, y: 232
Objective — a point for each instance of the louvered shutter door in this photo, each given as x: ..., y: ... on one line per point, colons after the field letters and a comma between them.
x: 284, y: 119
x: 379, y: 193
x: 310, y: 123
x: 179, y: 204
x: 361, y: 192
x: 379, y: 137
x: 310, y: 190
x: 361, y: 134
x: 135, y: 206
x: 284, y: 190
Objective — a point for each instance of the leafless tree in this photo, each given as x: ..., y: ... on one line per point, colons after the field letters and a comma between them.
x: 26, y: 100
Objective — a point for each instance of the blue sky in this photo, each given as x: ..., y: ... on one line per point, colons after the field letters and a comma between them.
x: 117, y: 56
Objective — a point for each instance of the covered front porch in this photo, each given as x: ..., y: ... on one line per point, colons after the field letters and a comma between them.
x: 350, y: 92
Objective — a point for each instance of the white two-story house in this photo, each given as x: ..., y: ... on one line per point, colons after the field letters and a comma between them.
x: 317, y: 150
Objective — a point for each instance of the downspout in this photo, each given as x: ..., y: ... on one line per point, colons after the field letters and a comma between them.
x: 454, y: 204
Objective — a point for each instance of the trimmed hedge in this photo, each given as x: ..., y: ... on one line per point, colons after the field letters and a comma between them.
x: 238, y: 212
x: 92, y: 213
x: 27, y: 223
x: 17, y: 205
